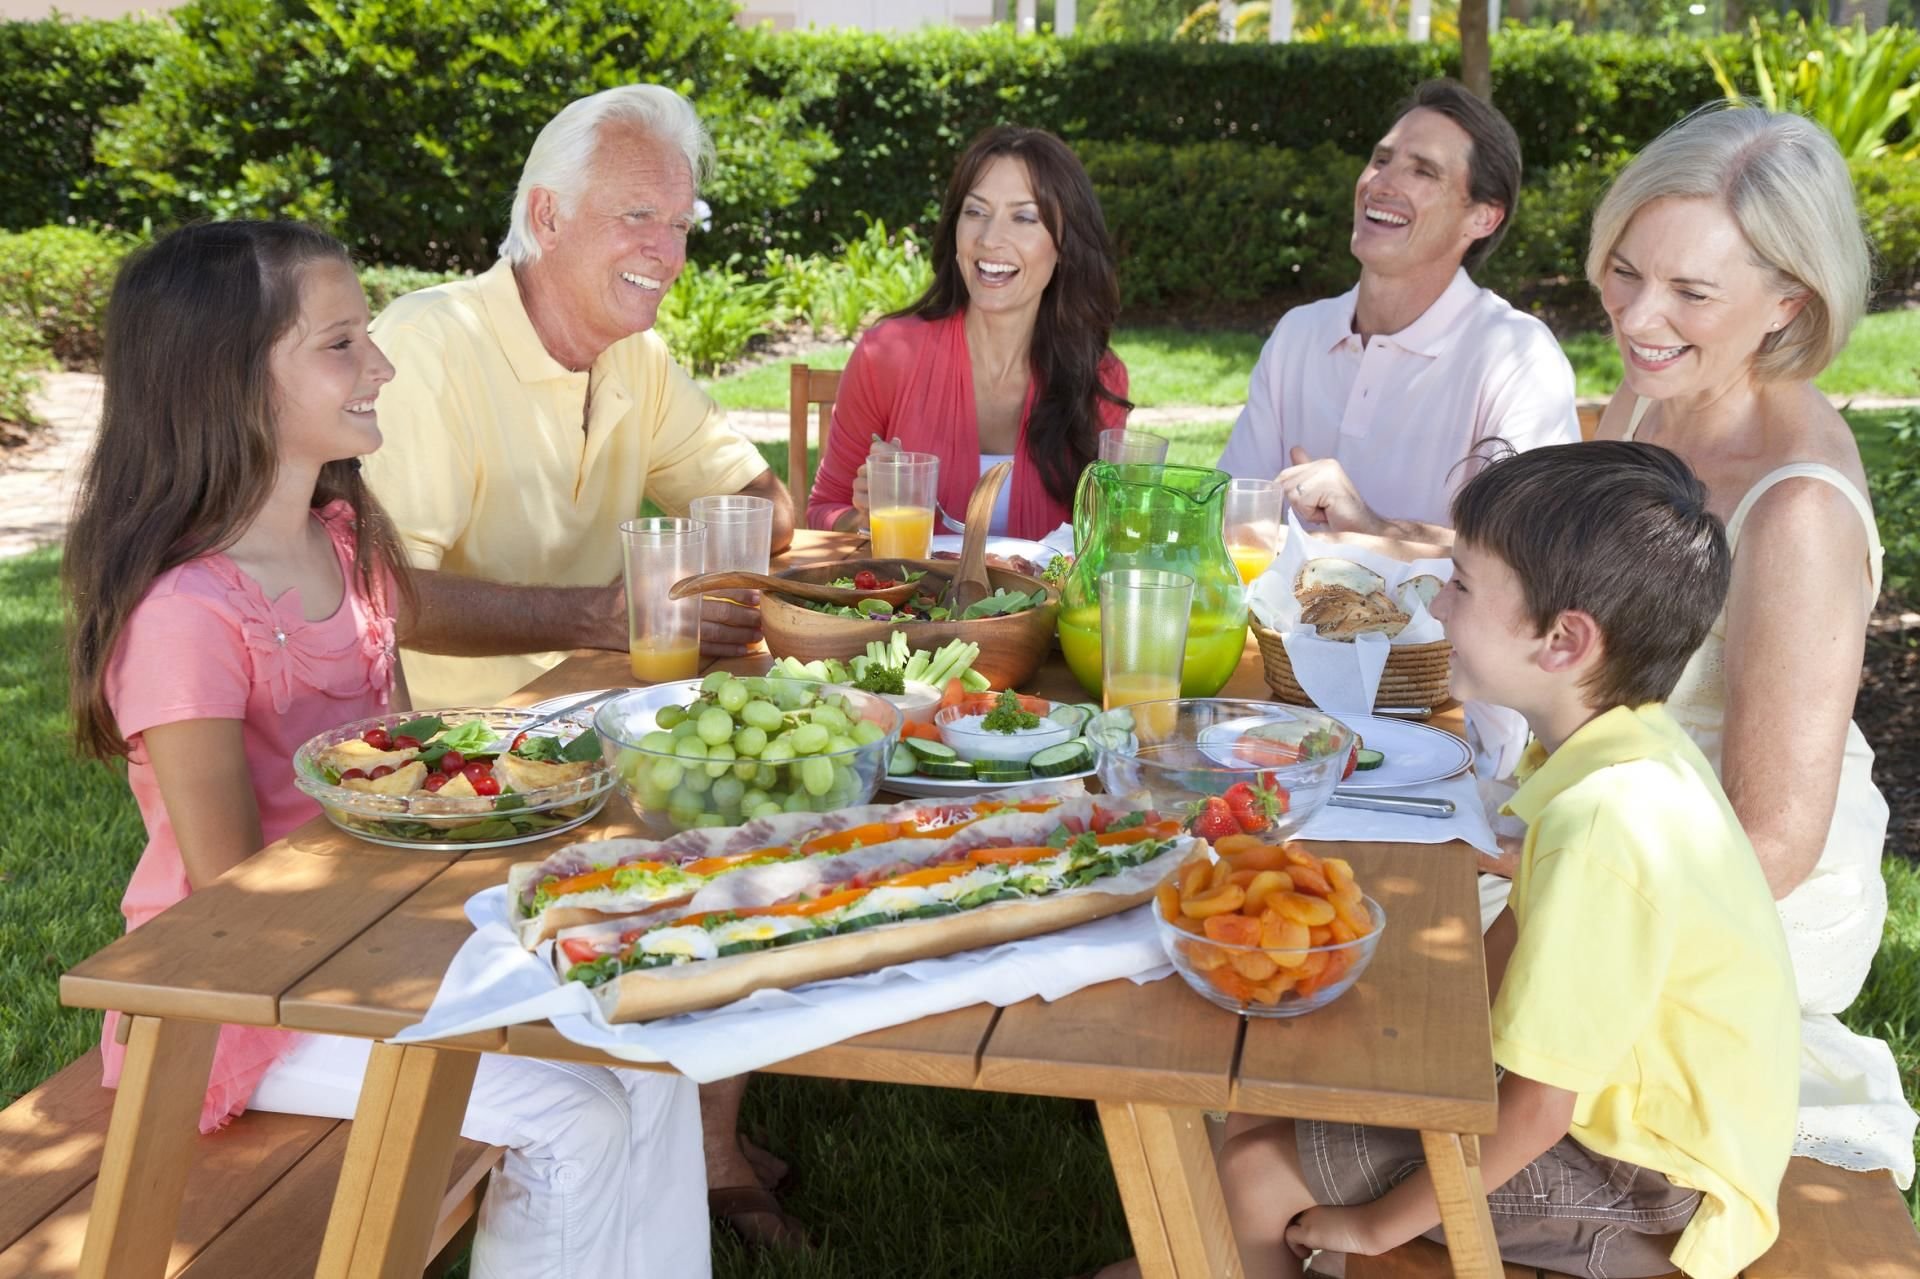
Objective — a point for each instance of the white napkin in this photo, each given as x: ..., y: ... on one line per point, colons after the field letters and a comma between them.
x: 1498, y: 736
x: 1339, y: 675
x: 1060, y: 541
x: 493, y: 982
x: 1469, y: 821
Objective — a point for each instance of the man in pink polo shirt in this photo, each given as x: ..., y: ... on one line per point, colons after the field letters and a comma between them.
x: 1372, y: 408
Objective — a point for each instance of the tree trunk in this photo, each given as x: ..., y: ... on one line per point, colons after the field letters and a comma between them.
x: 1874, y: 11
x: 1476, y: 59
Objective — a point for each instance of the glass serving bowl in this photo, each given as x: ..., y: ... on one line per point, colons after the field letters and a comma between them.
x: 448, y: 823
x: 1261, y: 982
x: 676, y: 779
x: 1185, y: 751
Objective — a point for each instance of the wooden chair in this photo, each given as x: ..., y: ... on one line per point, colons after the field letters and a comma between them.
x: 805, y: 388
x: 1590, y: 418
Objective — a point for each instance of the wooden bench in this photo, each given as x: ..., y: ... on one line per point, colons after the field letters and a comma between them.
x: 256, y: 1203
x: 1834, y: 1224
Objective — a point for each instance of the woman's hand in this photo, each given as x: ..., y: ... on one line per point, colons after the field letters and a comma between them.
x: 861, y: 499
x: 1323, y: 495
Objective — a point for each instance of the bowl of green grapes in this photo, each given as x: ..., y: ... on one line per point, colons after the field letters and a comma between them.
x: 729, y: 748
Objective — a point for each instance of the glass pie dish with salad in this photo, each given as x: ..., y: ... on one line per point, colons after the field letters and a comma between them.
x: 456, y: 779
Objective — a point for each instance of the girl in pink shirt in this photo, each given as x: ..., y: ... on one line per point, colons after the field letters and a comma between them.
x: 1005, y: 355
x: 232, y: 578
x: 233, y: 586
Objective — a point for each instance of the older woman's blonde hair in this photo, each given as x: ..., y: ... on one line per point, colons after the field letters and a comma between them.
x: 1783, y: 181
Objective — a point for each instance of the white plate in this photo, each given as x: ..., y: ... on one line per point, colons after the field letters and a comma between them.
x: 941, y: 788
x: 1038, y: 552
x: 1416, y: 753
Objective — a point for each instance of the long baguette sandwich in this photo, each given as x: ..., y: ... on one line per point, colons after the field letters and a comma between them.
x: 612, y: 879
x: 935, y: 900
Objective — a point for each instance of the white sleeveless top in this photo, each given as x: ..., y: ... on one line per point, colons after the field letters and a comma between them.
x: 1853, y: 1112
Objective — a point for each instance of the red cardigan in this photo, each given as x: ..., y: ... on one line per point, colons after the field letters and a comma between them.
x: 911, y: 380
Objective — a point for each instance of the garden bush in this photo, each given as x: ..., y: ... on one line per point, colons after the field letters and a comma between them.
x: 401, y: 125
x: 1889, y: 193
x: 60, y: 76
x: 54, y: 283
x: 21, y: 359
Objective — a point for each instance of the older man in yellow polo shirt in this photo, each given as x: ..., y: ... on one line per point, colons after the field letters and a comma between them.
x: 533, y: 409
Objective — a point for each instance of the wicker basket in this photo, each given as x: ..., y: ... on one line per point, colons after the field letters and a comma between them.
x: 1415, y: 675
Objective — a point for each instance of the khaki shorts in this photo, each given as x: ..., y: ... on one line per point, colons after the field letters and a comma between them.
x: 1569, y: 1210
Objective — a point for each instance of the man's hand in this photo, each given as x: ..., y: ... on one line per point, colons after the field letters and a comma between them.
x: 1323, y: 495
x: 729, y: 623
x: 1333, y: 1230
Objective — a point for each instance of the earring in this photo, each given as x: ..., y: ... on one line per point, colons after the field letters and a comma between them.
x: 1774, y: 325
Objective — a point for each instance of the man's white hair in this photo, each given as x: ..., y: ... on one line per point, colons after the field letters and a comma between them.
x: 562, y: 156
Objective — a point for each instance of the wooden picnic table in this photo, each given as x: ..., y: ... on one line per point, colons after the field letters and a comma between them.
x: 325, y: 932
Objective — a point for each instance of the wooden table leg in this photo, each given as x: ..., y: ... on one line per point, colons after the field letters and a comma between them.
x: 1170, y: 1189
x: 398, y: 1158
x: 1454, y: 1161
x: 150, y: 1139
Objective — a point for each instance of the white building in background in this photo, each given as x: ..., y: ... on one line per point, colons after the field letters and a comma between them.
x: 872, y: 15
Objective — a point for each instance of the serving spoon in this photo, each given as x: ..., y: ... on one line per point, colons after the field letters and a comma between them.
x: 739, y: 579
x: 970, y: 579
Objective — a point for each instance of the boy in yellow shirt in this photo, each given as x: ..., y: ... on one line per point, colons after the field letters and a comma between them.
x: 1644, y: 1013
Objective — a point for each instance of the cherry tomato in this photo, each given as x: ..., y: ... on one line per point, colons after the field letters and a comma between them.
x: 487, y: 785
x: 354, y: 775
x: 382, y: 771
x: 378, y: 739
x: 864, y: 580
x: 436, y: 780
x: 406, y: 743
x: 452, y: 762
x: 476, y: 770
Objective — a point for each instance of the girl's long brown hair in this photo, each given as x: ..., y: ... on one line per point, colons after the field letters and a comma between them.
x: 1077, y: 310
x: 187, y: 453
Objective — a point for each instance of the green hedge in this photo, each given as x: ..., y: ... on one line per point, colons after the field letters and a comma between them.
x: 59, y: 78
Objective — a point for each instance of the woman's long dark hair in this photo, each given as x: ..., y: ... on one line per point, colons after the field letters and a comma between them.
x: 1077, y: 309
x: 187, y: 452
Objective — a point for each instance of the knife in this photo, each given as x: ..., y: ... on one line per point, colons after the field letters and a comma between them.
x: 1408, y: 805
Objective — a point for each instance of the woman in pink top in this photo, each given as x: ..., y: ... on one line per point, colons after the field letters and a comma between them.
x: 233, y: 587
x: 1004, y: 355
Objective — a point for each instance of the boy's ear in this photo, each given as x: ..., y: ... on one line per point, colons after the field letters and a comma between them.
x: 1572, y: 643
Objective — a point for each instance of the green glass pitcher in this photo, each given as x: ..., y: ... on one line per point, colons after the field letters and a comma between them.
x: 1135, y: 515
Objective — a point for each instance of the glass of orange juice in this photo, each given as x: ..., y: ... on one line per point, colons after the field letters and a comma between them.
x: 663, y: 635
x: 900, y: 487
x: 1143, y: 640
x: 1256, y: 522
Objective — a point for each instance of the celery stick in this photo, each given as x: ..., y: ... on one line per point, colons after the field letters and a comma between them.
x: 974, y: 682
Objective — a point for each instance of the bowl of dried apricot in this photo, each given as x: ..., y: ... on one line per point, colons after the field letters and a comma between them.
x: 1268, y: 930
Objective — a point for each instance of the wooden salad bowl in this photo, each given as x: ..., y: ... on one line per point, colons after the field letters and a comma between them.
x: 1012, y: 648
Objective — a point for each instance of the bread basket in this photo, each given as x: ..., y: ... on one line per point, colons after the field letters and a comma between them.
x: 1415, y: 674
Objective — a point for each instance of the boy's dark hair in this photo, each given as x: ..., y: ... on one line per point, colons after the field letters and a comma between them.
x: 1615, y: 529
x: 1493, y: 162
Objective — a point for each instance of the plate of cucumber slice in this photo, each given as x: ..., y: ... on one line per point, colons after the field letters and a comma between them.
x: 923, y: 768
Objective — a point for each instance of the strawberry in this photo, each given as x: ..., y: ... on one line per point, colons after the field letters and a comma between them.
x: 1212, y: 818
x: 1255, y: 804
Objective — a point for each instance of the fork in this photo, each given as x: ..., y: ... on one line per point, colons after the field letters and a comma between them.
x: 504, y: 744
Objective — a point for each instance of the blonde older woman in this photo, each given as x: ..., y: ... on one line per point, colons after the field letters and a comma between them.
x: 1730, y: 261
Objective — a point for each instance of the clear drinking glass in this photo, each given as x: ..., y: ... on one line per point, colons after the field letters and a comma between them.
x: 1256, y: 523
x: 900, y: 488
x: 663, y: 635
x: 739, y: 531
x: 1143, y: 636
x: 1120, y: 445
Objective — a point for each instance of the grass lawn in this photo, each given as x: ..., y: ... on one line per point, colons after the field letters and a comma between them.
x: 992, y: 1185
x: 1210, y: 367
